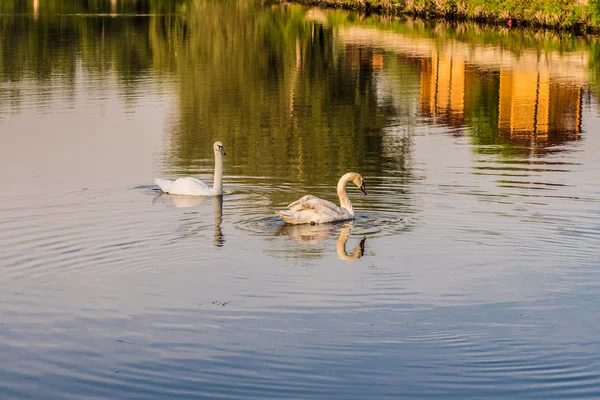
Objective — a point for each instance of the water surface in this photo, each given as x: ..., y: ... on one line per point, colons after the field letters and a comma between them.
x: 471, y: 270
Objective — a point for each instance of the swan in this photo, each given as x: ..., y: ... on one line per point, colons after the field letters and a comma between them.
x: 313, y: 210
x: 189, y: 186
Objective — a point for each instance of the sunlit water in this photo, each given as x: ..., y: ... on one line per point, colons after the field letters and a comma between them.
x: 471, y: 270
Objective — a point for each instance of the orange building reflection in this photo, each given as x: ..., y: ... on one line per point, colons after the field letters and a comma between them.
x: 443, y: 88
x: 532, y: 105
x: 364, y: 57
x: 36, y: 9
x: 539, y: 96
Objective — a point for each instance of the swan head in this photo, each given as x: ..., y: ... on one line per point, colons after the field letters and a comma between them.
x: 218, y: 147
x: 360, y: 183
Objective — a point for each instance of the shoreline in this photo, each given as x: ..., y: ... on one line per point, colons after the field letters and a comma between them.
x: 556, y: 15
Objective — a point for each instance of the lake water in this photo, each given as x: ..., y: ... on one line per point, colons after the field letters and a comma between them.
x: 470, y: 272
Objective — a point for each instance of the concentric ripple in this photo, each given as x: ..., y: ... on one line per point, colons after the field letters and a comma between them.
x: 366, y: 223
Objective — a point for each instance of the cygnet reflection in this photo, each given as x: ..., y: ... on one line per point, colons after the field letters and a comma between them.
x: 313, y: 234
x: 194, y: 201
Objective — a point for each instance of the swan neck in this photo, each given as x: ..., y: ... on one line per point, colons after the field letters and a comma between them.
x: 343, y: 195
x: 340, y: 247
x: 218, y: 183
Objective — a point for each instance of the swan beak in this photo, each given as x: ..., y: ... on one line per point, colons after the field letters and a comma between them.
x: 222, y: 150
x: 362, y: 189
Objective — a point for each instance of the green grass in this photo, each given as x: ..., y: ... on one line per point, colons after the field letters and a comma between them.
x: 573, y: 15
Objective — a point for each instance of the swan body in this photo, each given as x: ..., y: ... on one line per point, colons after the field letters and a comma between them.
x: 313, y: 210
x: 189, y: 186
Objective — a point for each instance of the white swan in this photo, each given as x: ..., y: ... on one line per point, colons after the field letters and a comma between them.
x: 194, y: 187
x: 313, y: 210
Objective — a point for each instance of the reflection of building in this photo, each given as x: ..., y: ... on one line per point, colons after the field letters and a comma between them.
x: 364, y: 57
x: 531, y: 105
x: 539, y: 97
x: 443, y: 88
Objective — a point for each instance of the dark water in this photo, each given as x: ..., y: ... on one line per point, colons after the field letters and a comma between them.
x: 471, y: 271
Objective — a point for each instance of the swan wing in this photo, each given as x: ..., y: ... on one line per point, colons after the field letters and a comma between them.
x: 310, y: 202
x: 184, y: 186
x: 311, y: 209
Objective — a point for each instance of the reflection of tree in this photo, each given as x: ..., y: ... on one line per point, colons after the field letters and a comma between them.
x: 594, y: 66
x: 481, y: 113
x: 276, y: 87
x: 67, y: 7
x: 49, y: 46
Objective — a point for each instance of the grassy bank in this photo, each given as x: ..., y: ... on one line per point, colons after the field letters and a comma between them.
x: 573, y: 15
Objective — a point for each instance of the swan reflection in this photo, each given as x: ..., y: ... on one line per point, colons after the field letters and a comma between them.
x: 314, y: 234
x: 194, y: 201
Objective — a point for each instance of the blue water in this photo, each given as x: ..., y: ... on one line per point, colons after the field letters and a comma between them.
x: 470, y: 272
